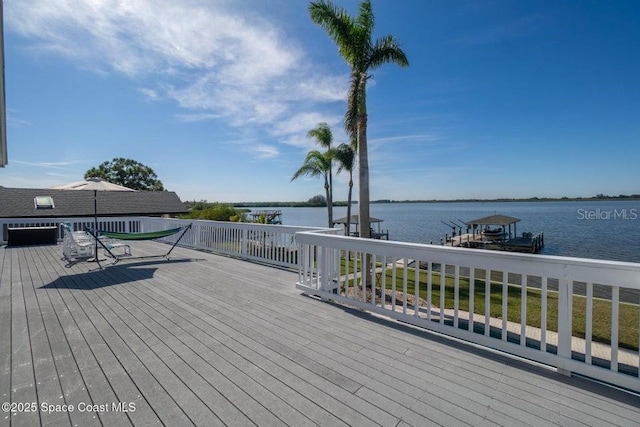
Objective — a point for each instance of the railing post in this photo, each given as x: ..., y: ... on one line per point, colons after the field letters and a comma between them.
x: 335, y: 274
x: 195, y: 233
x: 324, y: 266
x: 565, y: 320
x: 244, y: 243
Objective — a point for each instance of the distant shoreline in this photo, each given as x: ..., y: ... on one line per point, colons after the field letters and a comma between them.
x: 599, y: 198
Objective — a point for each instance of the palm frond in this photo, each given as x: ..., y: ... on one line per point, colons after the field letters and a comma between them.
x: 345, y: 155
x: 366, y: 18
x: 315, y: 164
x: 387, y: 49
x: 337, y: 23
x: 322, y: 134
x: 364, y: 24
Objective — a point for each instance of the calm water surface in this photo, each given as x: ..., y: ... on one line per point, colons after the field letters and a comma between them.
x: 602, y: 230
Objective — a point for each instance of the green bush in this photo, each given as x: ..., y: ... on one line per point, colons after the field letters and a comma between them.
x: 218, y: 212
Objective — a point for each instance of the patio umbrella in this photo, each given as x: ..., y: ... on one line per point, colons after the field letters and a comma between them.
x: 95, y: 184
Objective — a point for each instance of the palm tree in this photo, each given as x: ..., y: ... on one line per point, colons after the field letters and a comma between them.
x: 323, y: 136
x: 317, y: 164
x: 345, y: 155
x: 353, y: 35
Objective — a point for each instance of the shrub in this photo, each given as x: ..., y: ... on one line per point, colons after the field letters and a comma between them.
x: 217, y: 212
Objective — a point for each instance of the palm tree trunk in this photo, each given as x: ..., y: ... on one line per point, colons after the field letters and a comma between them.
x: 348, y: 229
x: 363, y: 203
x: 328, y: 194
x: 330, y: 198
x: 363, y: 178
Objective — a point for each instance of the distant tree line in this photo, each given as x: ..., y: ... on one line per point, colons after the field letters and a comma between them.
x: 314, y: 202
x: 530, y: 199
x: 320, y: 201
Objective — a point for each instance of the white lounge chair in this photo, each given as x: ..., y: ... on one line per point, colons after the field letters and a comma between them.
x: 77, y: 245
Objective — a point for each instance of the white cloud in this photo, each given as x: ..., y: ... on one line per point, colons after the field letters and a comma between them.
x: 325, y: 88
x: 263, y: 151
x: 302, y: 122
x: 293, y: 130
x: 14, y: 120
x: 150, y: 94
x: 46, y: 164
x: 197, y: 117
x: 210, y: 60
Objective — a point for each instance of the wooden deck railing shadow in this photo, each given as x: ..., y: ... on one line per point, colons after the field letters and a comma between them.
x: 523, y: 364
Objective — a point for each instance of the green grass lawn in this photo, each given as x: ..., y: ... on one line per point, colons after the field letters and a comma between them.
x: 629, y: 314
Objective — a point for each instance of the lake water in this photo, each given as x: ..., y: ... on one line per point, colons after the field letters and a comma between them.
x: 602, y: 230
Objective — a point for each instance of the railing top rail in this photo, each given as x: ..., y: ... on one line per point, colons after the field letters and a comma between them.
x: 618, y: 273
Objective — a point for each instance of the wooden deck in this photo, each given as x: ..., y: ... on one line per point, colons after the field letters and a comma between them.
x: 209, y: 340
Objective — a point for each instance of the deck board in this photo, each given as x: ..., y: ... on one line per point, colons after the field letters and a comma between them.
x: 23, y: 387
x: 209, y: 340
x: 48, y: 374
x: 69, y: 347
x: 5, y: 333
x: 130, y: 378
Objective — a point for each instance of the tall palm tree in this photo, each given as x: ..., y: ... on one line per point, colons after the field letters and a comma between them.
x: 353, y: 35
x: 324, y: 137
x: 317, y: 164
x: 345, y: 155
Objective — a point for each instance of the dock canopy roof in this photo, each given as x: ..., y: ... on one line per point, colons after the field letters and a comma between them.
x: 355, y: 219
x: 494, y: 220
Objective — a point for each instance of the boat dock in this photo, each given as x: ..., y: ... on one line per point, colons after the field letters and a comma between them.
x: 529, y: 244
x: 376, y: 233
x: 267, y: 217
x: 495, y: 233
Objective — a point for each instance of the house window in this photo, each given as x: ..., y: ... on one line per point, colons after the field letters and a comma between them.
x: 44, y: 202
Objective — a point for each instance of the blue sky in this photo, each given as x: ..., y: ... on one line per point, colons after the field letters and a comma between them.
x: 501, y: 99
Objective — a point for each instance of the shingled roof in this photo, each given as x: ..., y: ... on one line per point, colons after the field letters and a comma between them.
x: 19, y: 203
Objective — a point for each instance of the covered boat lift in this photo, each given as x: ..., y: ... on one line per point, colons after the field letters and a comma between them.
x: 355, y: 219
x: 497, y: 232
x: 495, y: 227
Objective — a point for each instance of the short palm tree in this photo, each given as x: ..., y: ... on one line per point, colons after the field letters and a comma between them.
x: 324, y: 137
x: 353, y: 36
x: 345, y: 156
x: 317, y: 164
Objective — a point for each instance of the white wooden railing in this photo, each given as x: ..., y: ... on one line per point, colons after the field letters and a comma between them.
x: 270, y: 244
x: 409, y: 276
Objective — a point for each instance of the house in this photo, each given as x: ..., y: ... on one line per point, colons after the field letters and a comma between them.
x: 25, y: 203
x: 22, y: 203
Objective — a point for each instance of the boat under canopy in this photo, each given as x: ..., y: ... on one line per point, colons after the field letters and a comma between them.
x: 495, y: 232
x: 354, y: 220
x: 501, y: 223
